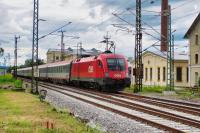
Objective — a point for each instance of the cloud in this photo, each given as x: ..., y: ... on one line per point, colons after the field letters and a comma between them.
x: 91, y: 20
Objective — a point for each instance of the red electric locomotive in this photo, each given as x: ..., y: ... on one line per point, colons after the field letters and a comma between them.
x: 107, y: 72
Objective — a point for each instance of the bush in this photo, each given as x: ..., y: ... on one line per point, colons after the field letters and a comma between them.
x: 18, y: 83
x: 156, y: 89
x: 6, y: 78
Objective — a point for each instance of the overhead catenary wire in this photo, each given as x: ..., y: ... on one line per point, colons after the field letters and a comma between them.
x: 148, y: 25
x: 54, y: 31
x: 183, y: 4
x: 189, y: 14
x: 134, y: 25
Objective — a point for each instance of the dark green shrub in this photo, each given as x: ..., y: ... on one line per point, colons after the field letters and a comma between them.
x: 6, y: 78
x: 18, y: 83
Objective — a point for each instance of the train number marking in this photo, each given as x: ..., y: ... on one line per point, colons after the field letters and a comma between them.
x: 90, y: 69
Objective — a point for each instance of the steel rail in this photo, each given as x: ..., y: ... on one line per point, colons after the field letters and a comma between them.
x: 181, y: 108
x: 134, y: 106
x: 161, y: 99
x: 131, y: 116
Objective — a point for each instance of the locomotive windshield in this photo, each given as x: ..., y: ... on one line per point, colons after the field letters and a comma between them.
x: 116, y: 64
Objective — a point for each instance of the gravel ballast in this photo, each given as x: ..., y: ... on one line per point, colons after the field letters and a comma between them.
x: 101, y: 119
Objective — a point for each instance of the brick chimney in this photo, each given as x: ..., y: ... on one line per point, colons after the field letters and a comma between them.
x: 164, y: 25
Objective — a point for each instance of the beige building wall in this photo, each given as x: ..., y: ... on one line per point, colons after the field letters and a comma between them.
x: 185, y: 73
x: 158, y: 65
x: 54, y: 56
x: 194, y: 44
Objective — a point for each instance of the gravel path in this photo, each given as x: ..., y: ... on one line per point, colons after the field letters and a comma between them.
x: 96, y: 117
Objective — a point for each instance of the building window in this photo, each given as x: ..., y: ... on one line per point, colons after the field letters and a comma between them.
x: 146, y: 74
x: 164, y: 73
x: 158, y: 73
x: 196, y: 58
x: 187, y: 74
x: 196, y: 39
x: 151, y: 76
x: 179, y: 74
x: 196, y: 78
x: 57, y: 57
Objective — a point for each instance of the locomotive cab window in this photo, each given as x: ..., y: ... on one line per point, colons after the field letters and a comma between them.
x: 116, y: 64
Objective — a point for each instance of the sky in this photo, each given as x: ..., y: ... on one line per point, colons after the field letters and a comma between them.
x: 91, y: 21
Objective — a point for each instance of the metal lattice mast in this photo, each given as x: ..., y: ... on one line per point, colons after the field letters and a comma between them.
x: 62, y: 46
x: 172, y: 62
x: 34, y: 83
x: 15, y: 54
x: 170, y: 55
x: 138, y: 48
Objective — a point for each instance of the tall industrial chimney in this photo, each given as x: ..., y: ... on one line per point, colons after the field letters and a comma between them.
x: 164, y: 25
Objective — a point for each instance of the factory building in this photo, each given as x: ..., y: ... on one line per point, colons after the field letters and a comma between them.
x: 193, y: 34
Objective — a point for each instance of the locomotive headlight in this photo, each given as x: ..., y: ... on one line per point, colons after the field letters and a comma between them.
x: 106, y: 74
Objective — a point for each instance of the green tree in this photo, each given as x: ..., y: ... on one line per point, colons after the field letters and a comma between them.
x: 28, y: 63
x: 1, y: 52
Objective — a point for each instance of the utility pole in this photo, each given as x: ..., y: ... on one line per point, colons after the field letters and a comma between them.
x: 15, y: 54
x: 170, y: 55
x: 79, y: 50
x: 34, y: 83
x: 62, y: 46
x: 107, y: 41
x: 8, y: 58
x: 80, y: 44
x: 138, y: 49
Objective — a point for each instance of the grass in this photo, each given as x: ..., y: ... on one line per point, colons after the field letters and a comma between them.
x: 23, y: 112
x: 186, y: 93
x: 9, y: 80
x: 146, y: 89
x: 180, y: 93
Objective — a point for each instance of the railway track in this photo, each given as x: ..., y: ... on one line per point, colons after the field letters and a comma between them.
x: 157, y: 118
x: 186, y: 107
x: 162, y: 100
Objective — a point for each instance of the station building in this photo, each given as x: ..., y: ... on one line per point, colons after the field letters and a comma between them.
x: 54, y: 55
x: 193, y: 34
x: 155, y: 69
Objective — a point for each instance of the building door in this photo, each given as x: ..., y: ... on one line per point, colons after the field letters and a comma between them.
x: 196, y: 78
